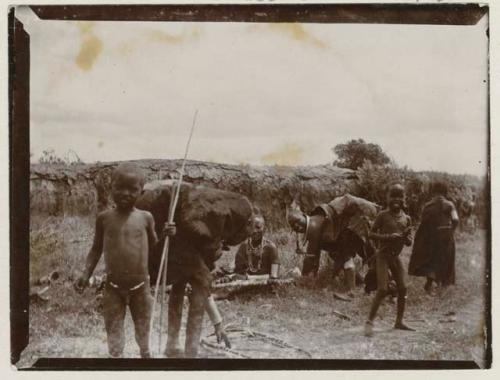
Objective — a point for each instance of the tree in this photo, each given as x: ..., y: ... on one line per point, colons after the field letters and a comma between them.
x: 352, y: 154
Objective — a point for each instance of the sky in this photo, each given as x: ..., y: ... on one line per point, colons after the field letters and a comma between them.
x: 265, y: 93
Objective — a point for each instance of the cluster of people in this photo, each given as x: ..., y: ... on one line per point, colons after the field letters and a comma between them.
x: 433, y: 251
x: 134, y: 231
x: 347, y: 228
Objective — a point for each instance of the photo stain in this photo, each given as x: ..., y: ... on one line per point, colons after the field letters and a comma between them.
x: 288, y: 154
x: 167, y: 38
x: 90, y: 47
x: 298, y: 33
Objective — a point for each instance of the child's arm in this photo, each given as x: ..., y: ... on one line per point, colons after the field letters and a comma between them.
x: 374, y: 232
x: 407, y: 233
x: 94, y: 254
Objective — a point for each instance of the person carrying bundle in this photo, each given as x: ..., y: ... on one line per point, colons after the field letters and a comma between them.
x: 341, y: 228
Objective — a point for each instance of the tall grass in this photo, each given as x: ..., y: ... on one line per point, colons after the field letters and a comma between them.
x: 58, y: 244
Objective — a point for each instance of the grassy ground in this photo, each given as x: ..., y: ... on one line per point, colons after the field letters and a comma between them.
x: 450, y: 325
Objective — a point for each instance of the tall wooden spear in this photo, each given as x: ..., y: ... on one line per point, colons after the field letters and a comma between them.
x: 162, y: 272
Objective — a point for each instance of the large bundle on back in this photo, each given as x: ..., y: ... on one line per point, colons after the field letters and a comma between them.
x: 206, y: 219
x: 353, y: 213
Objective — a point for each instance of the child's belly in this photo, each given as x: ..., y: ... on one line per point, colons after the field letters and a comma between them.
x: 127, y: 254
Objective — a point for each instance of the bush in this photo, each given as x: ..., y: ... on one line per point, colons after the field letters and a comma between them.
x: 373, y: 181
x: 463, y: 190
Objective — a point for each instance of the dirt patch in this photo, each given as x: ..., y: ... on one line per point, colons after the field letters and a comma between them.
x: 450, y: 324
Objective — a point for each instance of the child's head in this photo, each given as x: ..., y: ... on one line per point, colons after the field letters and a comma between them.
x: 396, y: 197
x: 127, y: 182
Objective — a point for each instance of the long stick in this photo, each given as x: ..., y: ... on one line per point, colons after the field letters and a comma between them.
x: 178, y: 189
x: 162, y: 272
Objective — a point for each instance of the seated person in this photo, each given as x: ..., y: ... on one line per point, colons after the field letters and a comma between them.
x: 257, y: 255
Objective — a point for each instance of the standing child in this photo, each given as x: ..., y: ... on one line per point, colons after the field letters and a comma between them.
x: 391, y: 230
x: 124, y: 234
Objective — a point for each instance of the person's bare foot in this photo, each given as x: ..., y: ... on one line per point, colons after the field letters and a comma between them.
x: 368, y: 328
x: 402, y: 326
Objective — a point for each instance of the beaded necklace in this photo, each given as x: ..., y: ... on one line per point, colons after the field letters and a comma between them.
x: 254, y: 251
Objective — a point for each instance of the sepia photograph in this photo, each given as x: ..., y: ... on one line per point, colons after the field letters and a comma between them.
x: 259, y: 181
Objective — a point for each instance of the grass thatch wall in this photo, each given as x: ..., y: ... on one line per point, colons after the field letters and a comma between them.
x: 84, y: 189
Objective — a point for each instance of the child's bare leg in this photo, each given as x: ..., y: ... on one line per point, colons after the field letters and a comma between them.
x: 195, y: 319
x: 175, y: 303
x: 398, y: 273
x: 382, y: 286
x: 377, y: 301
x: 140, y: 308
x: 400, y: 325
x: 114, y: 307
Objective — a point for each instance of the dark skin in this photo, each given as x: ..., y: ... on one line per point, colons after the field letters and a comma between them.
x: 299, y: 224
x: 314, y: 239
x: 316, y: 242
x: 315, y: 226
x: 258, y: 230
x: 454, y: 224
x: 256, y: 239
x: 395, y: 208
x: 124, y: 234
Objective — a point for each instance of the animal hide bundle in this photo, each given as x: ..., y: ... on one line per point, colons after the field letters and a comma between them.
x: 354, y: 213
x: 206, y: 219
